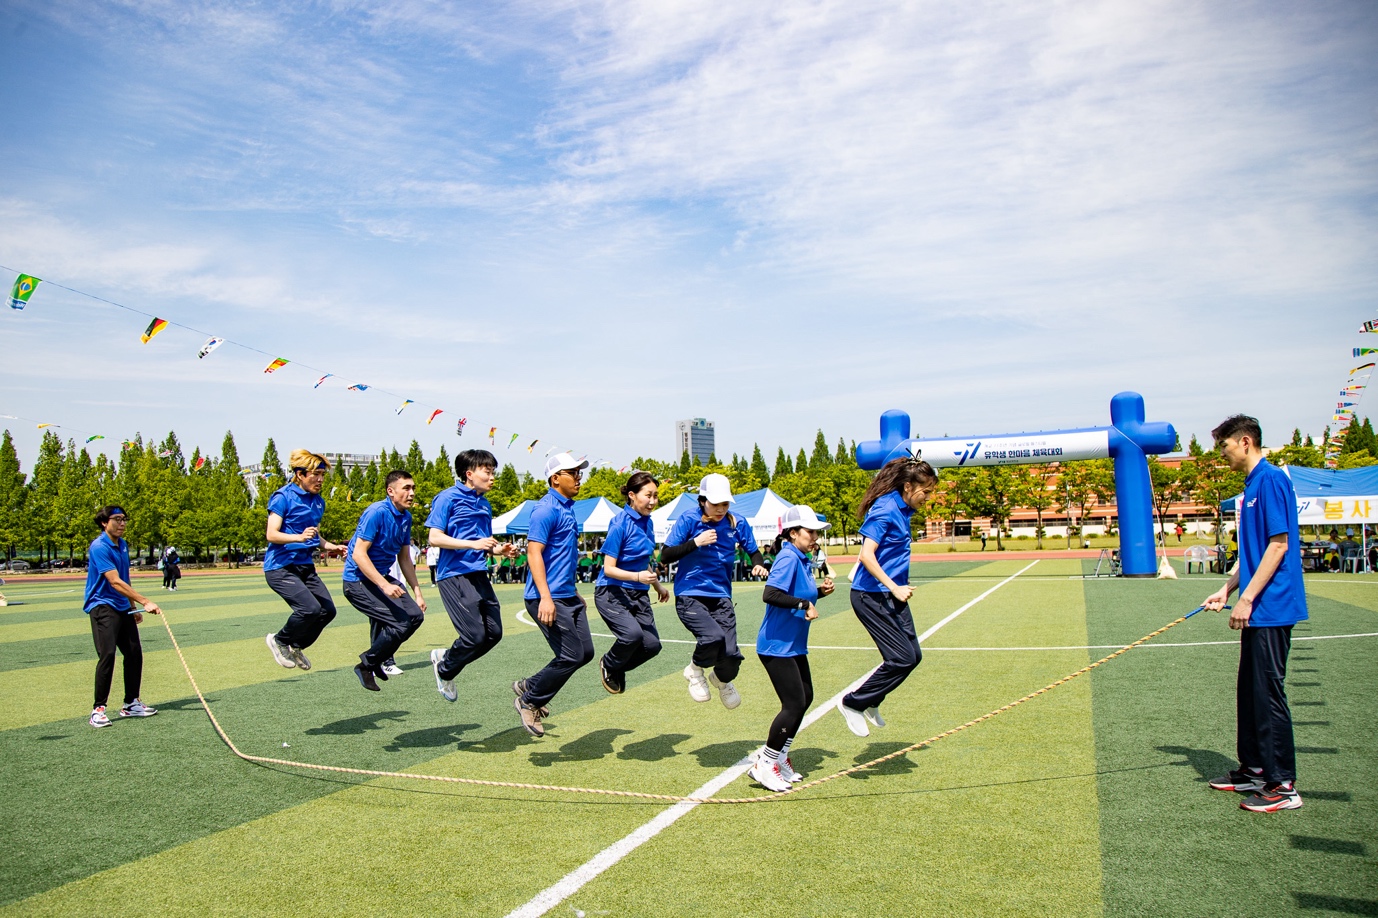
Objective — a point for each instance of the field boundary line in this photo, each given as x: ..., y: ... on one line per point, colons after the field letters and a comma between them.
x: 575, y: 880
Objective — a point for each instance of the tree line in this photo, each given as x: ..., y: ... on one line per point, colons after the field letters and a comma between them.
x: 203, y: 505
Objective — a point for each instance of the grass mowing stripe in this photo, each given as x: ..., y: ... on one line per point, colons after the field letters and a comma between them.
x: 609, y: 857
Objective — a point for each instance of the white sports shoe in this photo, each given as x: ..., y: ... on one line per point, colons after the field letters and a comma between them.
x: 281, y: 652
x: 873, y: 715
x: 767, y: 774
x: 727, y: 692
x: 856, y: 720
x: 391, y: 669
x: 698, y: 685
x: 787, y: 771
x: 137, y: 708
x: 446, y: 687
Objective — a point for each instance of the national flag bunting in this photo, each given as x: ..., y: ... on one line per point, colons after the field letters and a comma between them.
x: 321, y: 380
x: 532, y: 445
x: 433, y: 414
x: 1365, y: 351
x: 459, y: 426
x: 200, y: 462
x: 358, y: 387
x: 403, y: 407
x: 154, y: 327
x: 1357, y: 369
x: 211, y: 344
x: 95, y: 437
x: 277, y: 364
x: 512, y: 440
x: 24, y: 286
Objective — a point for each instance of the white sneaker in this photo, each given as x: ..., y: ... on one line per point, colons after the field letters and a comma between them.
x: 786, y: 768
x: 727, y: 692
x: 281, y: 652
x: 767, y: 774
x: 856, y: 720
x: 698, y: 686
x: 98, y: 718
x: 137, y: 708
x: 446, y: 687
x: 873, y: 715
x: 391, y: 669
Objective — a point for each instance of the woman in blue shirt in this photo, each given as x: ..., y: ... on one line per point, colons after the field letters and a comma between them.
x: 783, y: 641
x: 623, y: 593
x: 880, y: 590
x: 705, y: 544
x: 293, y: 534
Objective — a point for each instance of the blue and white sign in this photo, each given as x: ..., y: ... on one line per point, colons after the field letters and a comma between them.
x: 1023, y: 449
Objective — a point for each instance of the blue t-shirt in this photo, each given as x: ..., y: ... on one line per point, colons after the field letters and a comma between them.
x: 104, y: 555
x: 300, y: 510
x: 387, y: 530
x: 707, y: 570
x: 1270, y: 508
x: 886, y: 524
x: 461, y: 513
x: 554, y: 525
x: 785, y: 632
x: 630, y: 542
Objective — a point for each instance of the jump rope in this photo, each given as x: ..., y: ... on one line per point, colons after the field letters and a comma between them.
x: 640, y: 795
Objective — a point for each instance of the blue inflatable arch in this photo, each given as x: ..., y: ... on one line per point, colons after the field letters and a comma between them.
x: 1129, y: 440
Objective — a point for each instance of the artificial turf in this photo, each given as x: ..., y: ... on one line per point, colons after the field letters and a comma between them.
x: 1087, y: 800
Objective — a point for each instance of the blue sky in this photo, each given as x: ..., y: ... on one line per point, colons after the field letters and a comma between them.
x: 583, y: 221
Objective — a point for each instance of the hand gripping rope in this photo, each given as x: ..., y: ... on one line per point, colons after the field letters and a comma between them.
x: 668, y: 798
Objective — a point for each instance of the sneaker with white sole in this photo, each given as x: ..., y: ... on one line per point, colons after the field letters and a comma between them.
x: 531, y: 717
x: 698, y: 685
x: 856, y: 720
x: 1273, y: 797
x: 390, y: 668
x: 137, y: 708
x: 873, y: 715
x: 727, y: 692
x: 767, y: 774
x: 786, y: 768
x: 281, y: 652
x: 299, y: 658
x: 446, y: 687
x: 519, y: 689
x: 98, y: 718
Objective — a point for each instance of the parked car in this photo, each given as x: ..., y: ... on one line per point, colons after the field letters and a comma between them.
x: 17, y: 565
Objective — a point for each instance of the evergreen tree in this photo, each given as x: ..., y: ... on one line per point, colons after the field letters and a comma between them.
x: 684, y: 461
x: 1194, y: 448
x: 821, y: 457
x: 782, y: 465
x: 758, y: 465
x: 43, y: 485
x: 801, y: 462
x: 271, y: 476
x: 1296, y: 436
x: 73, y: 510
x: 14, y: 524
x: 842, y: 457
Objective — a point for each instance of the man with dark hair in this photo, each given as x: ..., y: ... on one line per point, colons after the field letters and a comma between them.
x: 461, y: 527
x: 114, y: 623
x: 382, y: 537
x: 1271, y: 600
x: 552, y: 599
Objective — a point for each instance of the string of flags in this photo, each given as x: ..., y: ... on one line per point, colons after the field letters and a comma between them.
x: 25, y: 285
x: 1350, y: 396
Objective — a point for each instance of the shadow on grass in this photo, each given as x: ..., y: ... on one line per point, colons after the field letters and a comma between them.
x: 808, y: 761
x: 654, y: 749
x: 1336, y: 904
x: 587, y: 748
x: 901, y: 765
x: 431, y: 738
x: 357, y: 726
x: 506, y: 741
x: 724, y: 755
x: 1208, y: 764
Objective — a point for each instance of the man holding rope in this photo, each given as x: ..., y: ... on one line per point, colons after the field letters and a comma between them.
x: 1272, y: 599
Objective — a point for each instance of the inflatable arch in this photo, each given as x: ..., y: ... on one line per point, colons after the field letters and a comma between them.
x: 1129, y: 440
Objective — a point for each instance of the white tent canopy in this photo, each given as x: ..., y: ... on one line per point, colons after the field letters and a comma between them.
x: 522, y: 509
x: 762, y: 510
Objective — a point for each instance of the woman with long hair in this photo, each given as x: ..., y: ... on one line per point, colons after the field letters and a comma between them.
x: 623, y: 592
x: 881, y: 590
x: 783, y: 641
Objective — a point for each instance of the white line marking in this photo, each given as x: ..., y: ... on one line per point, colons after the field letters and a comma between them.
x: 575, y: 880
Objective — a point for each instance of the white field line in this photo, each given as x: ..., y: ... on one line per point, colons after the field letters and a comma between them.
x: 609, y: 856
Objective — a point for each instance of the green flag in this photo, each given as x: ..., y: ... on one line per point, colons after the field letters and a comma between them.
x: 24, y: 286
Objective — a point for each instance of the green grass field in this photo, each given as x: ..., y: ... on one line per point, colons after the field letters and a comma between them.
x: 1089, y: 800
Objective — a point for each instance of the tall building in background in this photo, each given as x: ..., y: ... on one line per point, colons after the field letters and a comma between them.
x: 695, y: 436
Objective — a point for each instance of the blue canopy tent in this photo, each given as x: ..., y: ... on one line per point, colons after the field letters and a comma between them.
x: 1336, y: 497
x: 593, y: 515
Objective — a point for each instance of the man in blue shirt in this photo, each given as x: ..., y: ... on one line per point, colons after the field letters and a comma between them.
x: 382, y: 537
x: 552, y: 599
x: 1272, y: 599
x: 114, y: 623
x: 461, y: 528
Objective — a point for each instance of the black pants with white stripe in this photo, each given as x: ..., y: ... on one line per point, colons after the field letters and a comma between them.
x: 891, y: 626
x: 1265, y: 722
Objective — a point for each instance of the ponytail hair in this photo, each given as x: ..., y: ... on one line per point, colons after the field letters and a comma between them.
x: 636, y: 482
x: 781, y: 539
x: 731, y: 520
x: 894, y: 476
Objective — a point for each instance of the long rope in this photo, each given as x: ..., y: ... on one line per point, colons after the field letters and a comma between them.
x: 640, y: 795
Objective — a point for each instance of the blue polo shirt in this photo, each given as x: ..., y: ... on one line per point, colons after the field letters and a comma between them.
x: 102, y: 556
x: 1269, y: 509
x: 886, y: 524
x: 300, y: 510
x: 461, y: 513
x: 631, y: 541
x: 785, y: 632
x: 387, y: 530
x: 554, y: 525
x: 707, y: 570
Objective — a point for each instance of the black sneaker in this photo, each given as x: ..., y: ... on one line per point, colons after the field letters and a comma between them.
x: 1273, y: 797
x: 615, y: 683
x: 365, y: 675
x: 1239, y: 779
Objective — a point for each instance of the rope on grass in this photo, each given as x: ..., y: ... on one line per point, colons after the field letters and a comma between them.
x: 640, y: 795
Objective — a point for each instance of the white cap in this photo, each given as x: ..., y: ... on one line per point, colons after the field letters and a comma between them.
x: 561, y: 461
x: 716, y: 489
x: 800, y: 515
